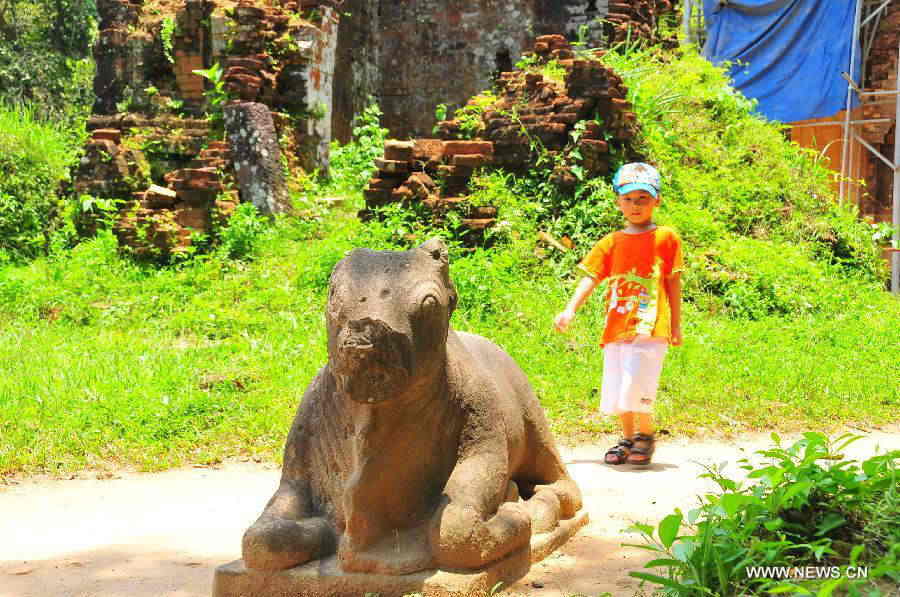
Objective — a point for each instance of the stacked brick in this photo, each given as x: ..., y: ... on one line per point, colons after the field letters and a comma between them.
x: 246, y: 75
x: 267, y: 44
x: 113, y: 52
x: 108, y: 169
x: 163, y: 221
x: 410, y: 171
x: 247, y: 69
x: 182, y: 138
x: 635, y: 19
x: 531, y: 115
x: 535, y: 111
x: 189, y: 44
x: 131, y: 55
x: 160, y: 219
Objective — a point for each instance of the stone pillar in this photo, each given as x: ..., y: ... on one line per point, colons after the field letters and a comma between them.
x: 257, y: 157
x: 320, y: 84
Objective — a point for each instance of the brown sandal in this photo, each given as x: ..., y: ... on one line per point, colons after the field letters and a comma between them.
x: 618, y: 454
x: 642, y: 452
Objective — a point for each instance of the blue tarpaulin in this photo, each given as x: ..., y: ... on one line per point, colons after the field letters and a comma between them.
x: 788, y: 54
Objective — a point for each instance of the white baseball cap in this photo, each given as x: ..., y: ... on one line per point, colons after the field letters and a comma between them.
x: 636, y: 176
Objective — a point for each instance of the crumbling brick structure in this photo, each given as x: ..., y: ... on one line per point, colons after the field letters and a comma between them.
x: 413, y: 55
x: 574, y: 124
x: 314, y: 64
x: 157, y: 134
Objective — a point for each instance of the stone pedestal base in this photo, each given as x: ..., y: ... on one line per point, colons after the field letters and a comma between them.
x: 324, y: 577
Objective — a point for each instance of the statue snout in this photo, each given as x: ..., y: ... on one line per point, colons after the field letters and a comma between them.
x: 363, y: 335
x: 371, y: 361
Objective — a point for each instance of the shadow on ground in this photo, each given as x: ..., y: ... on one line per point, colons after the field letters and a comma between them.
x: 125, y: 570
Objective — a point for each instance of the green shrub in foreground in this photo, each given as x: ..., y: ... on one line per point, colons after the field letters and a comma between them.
x: 810, y: 507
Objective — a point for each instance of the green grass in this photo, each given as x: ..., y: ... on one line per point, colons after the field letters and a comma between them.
x: 104, y: 362
x: 36, y: 142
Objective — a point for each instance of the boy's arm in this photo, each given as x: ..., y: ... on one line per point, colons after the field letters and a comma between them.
x: 582, y: 292
x: 673, y: 292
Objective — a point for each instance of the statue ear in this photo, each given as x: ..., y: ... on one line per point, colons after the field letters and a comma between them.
x: 436, y: 248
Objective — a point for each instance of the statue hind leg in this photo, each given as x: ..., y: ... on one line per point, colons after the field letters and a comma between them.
x: 474, y: 525
x: 547, y: 473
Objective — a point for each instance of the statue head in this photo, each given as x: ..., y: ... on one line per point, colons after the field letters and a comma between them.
x: 388, y: 318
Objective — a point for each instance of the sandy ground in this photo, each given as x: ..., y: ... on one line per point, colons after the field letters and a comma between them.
x: 154, y: 535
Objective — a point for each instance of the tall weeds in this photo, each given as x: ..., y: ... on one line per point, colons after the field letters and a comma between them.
x: 35, y: 155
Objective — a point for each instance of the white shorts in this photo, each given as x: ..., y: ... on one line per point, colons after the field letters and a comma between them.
x: 631, y: 376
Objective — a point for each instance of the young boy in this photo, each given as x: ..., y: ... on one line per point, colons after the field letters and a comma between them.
x: 643, y: 264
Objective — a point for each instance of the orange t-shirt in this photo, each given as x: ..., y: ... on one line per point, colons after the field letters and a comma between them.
x: 636, y: 265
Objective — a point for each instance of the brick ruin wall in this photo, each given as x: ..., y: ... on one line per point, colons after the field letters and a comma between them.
x: 531, y: 114
x: 882, y: 76
x: 413, y: 55
x: 152, y: 140
x: 314, y: 64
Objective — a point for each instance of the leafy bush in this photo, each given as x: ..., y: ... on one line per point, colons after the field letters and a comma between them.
x: 755, y: 278
x: 351, y: 164
x: 485, y: 279
x: 34, y: 158
x: 468, y: 116
x: 810, y: 507
x: 45, y: 57
x: 238, y: 239
x: 217, y: 95
x: 166, y: 32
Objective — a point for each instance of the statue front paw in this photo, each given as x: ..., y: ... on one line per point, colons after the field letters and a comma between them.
x: 278, y: 543
x: 398, y: 552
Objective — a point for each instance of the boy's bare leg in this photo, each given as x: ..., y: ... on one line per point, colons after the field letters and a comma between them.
x: 627, y: 420
x: 645, y: 423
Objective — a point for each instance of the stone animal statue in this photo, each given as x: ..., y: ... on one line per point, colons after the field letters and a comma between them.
x: 415, y: 447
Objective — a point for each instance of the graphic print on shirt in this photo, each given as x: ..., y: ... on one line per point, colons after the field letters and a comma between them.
x: 635, y: 295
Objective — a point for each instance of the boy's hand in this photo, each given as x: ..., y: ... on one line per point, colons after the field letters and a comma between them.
x: 675, y: 337
x: 562, y: 321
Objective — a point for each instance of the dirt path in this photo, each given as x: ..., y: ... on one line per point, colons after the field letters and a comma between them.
x: 155, y: 535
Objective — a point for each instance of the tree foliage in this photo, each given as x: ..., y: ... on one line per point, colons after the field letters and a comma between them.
x: 45, y: 48
x: 72, y: 26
